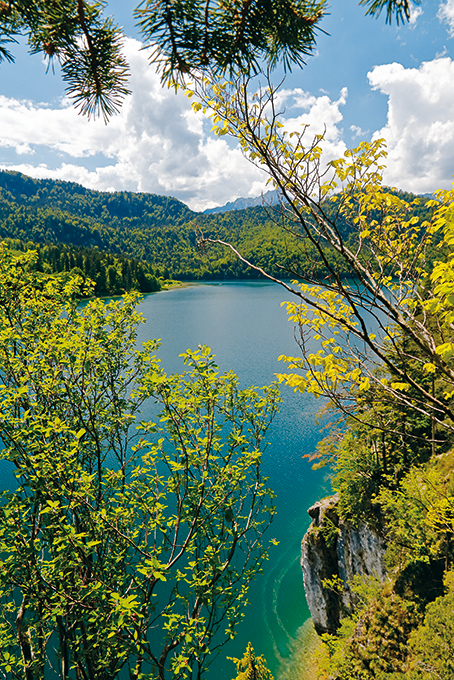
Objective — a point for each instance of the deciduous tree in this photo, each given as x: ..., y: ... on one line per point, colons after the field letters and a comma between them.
x: 388, y: 326
x: 252, y: 667
x: 121, y: 547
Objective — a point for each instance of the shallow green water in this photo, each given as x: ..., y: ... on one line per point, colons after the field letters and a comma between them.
x: 247, y: 329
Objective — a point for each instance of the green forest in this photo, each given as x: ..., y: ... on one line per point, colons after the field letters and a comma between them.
x: 109, y: 274
x: 158, y: 232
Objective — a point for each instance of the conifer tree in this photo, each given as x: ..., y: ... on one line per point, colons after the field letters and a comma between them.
x: 251, y: 667
x: 184, y: 37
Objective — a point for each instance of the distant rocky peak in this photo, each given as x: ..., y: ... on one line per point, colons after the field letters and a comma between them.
x: 268, y: 198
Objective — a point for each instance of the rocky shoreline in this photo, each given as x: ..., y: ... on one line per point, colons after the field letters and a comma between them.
x: 333, y: 552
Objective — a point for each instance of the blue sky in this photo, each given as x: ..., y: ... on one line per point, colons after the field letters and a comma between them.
x: 366, y: 80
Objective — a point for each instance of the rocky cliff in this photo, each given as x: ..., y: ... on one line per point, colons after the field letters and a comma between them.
x: 333, y: 552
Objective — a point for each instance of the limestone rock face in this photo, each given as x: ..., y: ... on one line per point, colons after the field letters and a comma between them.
x: 334, y: 549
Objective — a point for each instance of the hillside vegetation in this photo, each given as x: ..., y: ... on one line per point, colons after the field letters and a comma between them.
x: 105, y: 274
x: 391, y: 451
x: 157, y: 230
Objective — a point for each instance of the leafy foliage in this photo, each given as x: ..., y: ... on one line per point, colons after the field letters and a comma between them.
x: 375, y: 644
x: 388, y: 325
x: 121, y: 546
x: 383, y: 358
x: 420, y: 522
x: 432, y: 644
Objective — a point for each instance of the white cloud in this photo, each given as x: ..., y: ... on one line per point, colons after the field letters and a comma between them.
x: 322, y: 115
x: 415, y: 13
x: 156, y: 144
x: 446, y: 14
x: 420, y: 128
x: 358, y: 132
x: 442, y: 53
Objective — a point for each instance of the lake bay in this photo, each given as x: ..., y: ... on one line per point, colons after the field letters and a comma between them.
x: 247, y: 329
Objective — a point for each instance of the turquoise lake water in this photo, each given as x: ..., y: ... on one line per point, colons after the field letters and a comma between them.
x: 247, y: 329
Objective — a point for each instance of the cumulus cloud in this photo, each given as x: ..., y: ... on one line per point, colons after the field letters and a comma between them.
x: 415, y: 13
x: 321, y: 114
x: 446, y: 14
x: 156, y: 144
x: 420, y: 129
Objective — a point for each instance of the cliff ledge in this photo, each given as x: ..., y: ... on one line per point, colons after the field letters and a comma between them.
x: 334, y: 549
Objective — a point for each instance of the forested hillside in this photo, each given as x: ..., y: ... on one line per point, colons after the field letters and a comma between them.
x: 157, y: 230
x: 109, y: 274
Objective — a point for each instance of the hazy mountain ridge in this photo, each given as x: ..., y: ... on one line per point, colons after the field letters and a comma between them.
x: 268, y: 198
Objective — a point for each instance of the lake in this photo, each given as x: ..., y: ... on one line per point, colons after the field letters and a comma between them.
x: 247, y: 329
